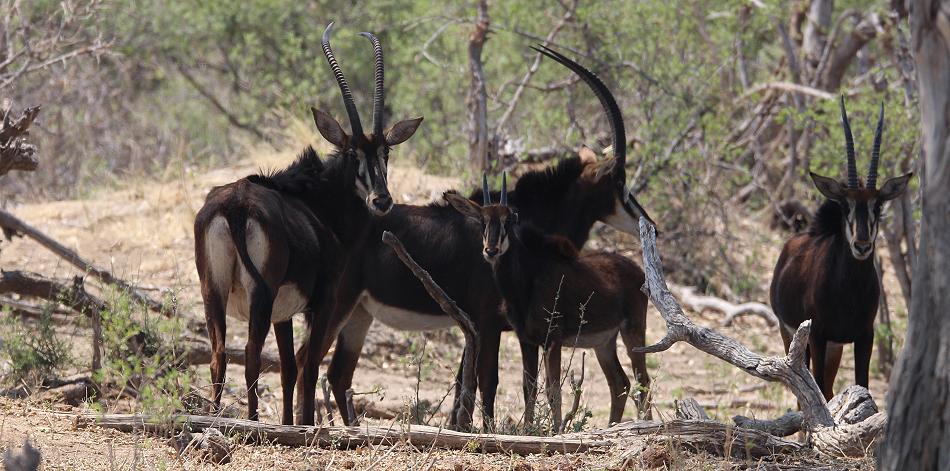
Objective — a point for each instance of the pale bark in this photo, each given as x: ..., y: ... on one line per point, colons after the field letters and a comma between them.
x: 919, y: 398
x: 831, y: 435
x: 479, y: 140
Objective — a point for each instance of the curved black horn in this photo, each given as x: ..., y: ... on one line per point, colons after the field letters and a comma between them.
x: 607, y: 101
x: 351, y: 112
x: 849, y: 145
x: 504, y: 188
x: 378, y: 92
x: 486, y: 196
x: 876, y: 149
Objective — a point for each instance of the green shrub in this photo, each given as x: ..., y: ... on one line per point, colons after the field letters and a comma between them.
x: 33, y: 351
x: 141, y: 359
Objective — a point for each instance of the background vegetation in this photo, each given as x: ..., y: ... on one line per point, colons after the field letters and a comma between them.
x: 713, y: 139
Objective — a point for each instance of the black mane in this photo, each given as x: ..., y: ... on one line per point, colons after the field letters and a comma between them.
x: 546, y: 185
x: 827, y: 220
x: 304, y: 176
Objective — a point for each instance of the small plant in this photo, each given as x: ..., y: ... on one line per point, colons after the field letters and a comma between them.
x: 139, y: 360
x: 34, y: 352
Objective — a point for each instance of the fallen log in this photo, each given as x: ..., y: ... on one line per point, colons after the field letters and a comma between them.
x: 73, y: 296
x: 788, y: 424
x: 701, y: 435
x: 708, y: 436
x: 420, y: 436
x: 851, y: 406
x: 828, y: 436
x: 198, y: 352
x: 13, y: 225
x: 700, y: 303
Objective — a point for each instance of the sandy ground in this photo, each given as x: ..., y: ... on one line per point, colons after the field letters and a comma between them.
x: 143, y: 232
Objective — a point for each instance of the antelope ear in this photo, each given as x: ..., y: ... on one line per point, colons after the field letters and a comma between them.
x: 402, y: 131
x: 329, y: 128
x: 894, y: 187
x: 829, y: 187
x: 464, y: 205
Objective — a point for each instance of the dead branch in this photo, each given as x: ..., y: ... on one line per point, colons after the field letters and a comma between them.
x: 706, y: 436
x: 689, y: 409
x: 14, y: 225
x: 15, y: 152
x: 788, y: 424
x: 790, y: 370
x: 789, y: 87
x: 709, y: 436
x: 198, y: 352
x: 448, y: 305
x: 576, y: 390
x: 420, y: 436
x: 74, y: 297
x: 701, y: 303
x: 829, y: 436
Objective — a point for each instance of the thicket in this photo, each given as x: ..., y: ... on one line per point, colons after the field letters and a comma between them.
x: 712, y: 138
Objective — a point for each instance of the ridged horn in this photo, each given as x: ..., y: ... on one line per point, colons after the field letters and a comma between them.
x: 355, y: 126
x: 504, y: 188
x: 876, y: 149
x: 849, y: 146
x: 607, y: 101
x: 486, y: 196
x: 378, y: 91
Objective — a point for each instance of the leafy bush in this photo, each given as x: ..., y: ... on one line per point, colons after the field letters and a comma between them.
x: 33, y: 351
x: 140, y: 360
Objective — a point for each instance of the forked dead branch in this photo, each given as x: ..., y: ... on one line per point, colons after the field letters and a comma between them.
x: 828, y: 436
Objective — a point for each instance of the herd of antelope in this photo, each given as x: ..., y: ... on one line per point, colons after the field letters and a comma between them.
x: 307, y: 239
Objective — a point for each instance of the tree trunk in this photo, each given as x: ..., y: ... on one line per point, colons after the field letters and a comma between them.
x: 919, y: 399
x: 479, y: 140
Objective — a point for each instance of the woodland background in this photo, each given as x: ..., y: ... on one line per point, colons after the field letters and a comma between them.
x: 728, y: 105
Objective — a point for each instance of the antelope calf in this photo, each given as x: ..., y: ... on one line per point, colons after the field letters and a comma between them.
x: 827, y: 273
x: 565, y: 199
x: 596, y: 294
x: 270, y: 246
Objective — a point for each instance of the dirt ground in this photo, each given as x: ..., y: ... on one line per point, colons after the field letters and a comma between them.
x: 143, y: 232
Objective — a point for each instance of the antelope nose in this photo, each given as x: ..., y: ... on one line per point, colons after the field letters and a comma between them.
x: 383, y: 202
x: 862, y: 247
x: 491, y: 251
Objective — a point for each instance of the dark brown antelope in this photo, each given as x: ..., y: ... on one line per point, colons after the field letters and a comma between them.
x: 827, y: 273
x: 566, y: 199
x: 596, y: 295
x: 270, y: 246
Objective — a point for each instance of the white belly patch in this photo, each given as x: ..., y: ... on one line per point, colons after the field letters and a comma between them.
x: 590, y: 340
x: 289, y: 301
x: 403, y: 319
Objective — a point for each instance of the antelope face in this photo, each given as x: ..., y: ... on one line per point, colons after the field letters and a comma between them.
x: 497, y: 221
x: 861, y: 202
x: 861, y: 209
x: 369, y: 152
x: 370, y: 156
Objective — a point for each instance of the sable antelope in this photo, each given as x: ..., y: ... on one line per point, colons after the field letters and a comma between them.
x: 827, y: 273
x: 272, y: 245
x: 566, y: 199
x: 597, y: 295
